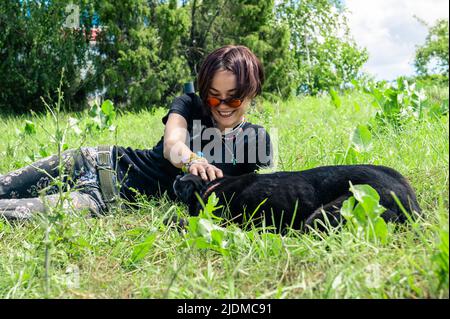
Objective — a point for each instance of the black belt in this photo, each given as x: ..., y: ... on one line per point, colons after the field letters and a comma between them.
x: 106, y: 175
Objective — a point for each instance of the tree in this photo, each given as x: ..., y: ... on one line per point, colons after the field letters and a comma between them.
x: 202, y: 34
x: 35, y: 45
x: 172, y: 23
x: 325, y: 54
x: 246, y: 22
x: 139, y: 61
x: 254, y: 24
x: 434, y: 51
x: 146, y: 49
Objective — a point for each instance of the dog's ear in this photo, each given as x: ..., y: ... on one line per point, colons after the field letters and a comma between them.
x: 186, y: 186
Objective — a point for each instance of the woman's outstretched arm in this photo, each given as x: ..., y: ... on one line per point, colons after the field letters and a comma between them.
x: 174, y: 140
x: 175, y: 148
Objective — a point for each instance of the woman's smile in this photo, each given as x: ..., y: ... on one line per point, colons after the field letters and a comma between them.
x: 228, y: 118
x: 226, y: 114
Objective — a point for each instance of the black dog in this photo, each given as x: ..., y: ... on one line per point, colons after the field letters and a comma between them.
x: 314, y: 191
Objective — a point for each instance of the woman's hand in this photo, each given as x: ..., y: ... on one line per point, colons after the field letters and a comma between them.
x: 205, y: 171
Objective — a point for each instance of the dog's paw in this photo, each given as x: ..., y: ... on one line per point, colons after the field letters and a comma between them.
x: 322, y: 222
x: 176, y: 221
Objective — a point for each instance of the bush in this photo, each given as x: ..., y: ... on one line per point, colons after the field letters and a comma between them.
x: 34, y: 48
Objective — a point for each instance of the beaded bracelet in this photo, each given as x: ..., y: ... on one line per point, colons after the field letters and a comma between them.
x: 193, y: 158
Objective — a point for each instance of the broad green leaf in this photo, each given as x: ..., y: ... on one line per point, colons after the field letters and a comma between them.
x: 381, y: 230
x: 347, y: 208
x: 82, y: 242
x: 108, y: 108
x: 217, y: 236
x: 94, y: 111
x: 193, y: 225
x: 210, y: 207
x: 142, y: 249
x: 364, y: 190
x: 360, y: 215
x: 205, y: 227
x: 372, y: 207
x: 30, y: 128
x: 362, y: 139
x: 201, y: 243
x: 43, y: 152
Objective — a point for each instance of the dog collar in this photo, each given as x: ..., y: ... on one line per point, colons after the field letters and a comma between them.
x: 208, y: 190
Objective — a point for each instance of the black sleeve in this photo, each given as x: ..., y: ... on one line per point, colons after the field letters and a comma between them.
x: 181, y: 105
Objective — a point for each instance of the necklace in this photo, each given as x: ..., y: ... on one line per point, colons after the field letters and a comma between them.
x: 230, y: 136
x: 237, y: 127
x: 232, y: 152
x: 233, y: 138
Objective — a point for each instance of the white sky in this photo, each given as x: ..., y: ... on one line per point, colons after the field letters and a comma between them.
x: 389, y: 31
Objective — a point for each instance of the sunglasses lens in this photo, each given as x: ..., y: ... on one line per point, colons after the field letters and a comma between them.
x: 212, y: 101
x: 234, y: 103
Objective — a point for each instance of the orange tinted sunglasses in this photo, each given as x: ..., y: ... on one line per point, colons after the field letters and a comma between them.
x: 232, y: 102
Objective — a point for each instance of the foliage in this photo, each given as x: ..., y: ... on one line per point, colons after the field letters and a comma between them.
x: 441, y: 258
x: 401, y: 101
x: 101, y: 117
x: 358, y: 150
x: 56, y: 230
x: 143, y: 51
x: 325, y: 54
x: 35, y: 45
x: 335, y: 99
x: 143, y: 60
x: 362, y: 211
x: 434, y: 51
x: 141, y: 249
x: 138, y: 62
x: 252, y: 24
x: 96, y: 120
x: 431, y: 80
x: 202, y: 231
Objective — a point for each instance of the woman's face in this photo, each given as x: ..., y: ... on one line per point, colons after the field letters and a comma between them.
x: 223, y: 86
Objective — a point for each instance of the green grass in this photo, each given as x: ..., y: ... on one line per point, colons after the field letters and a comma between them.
x: 96, y: 253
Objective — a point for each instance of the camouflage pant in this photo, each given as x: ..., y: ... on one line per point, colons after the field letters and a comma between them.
x: 20, y: 190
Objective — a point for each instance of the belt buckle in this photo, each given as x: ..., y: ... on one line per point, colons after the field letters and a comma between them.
x: 106, y: 176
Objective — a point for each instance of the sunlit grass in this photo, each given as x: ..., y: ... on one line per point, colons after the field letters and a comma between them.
x: 91, y: 257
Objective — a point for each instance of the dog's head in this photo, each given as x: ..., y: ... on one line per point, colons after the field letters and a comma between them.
x: 185, y: 187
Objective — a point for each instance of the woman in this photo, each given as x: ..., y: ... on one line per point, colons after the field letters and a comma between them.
x: 205, y: 135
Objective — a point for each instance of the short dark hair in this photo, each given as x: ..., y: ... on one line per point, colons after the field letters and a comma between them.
x: 237, y: 59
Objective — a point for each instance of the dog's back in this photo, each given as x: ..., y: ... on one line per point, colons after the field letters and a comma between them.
x: 281, y: 193
x: 334, y: 181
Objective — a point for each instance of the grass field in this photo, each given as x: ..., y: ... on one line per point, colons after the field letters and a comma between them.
x: 135, y: 255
